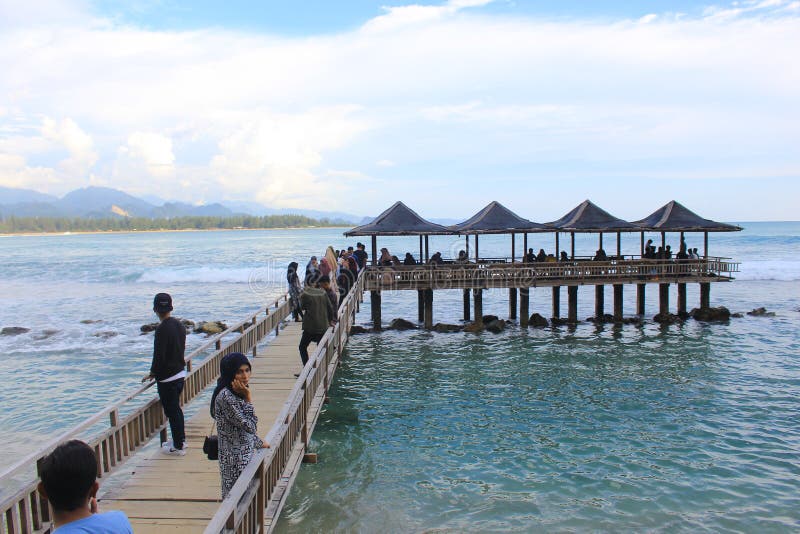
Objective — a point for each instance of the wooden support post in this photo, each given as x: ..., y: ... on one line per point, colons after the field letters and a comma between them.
x: 572, y: 304
x: 524, y: 306
x: 420, y: 305
x: 599, y: 301
x: 427, y: 250
x: 681, y: 299
x: 556, y: 302
x: 512, y: 303
x: 374, y: 250
x: 524, y: 245
x: 705, y: 295
x: 466, y: 305
x: 421, y: 257
x: 640, y: 293
x: 618, y: 288
x: 663, y: 299
x: 572, y: 246
x: 477, y: 297
x: 558, y: 253
x: 428, y: 309
x: 375, y: 305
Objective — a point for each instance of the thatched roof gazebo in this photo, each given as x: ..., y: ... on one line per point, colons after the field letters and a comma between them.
x: 675, y: 217
x: 398, y: 220
x: 587, y: 217
x: 497, y: 219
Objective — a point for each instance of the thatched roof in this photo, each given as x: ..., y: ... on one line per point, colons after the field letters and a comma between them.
x: 674, y: 217
x: 587, y: 217
x: 398, y: 220
x: 497, y: 219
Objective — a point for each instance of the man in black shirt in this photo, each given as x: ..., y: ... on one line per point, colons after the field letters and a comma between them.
x: 360, y: 255
x: 169, y: 370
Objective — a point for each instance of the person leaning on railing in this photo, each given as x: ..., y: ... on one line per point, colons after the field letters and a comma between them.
x: 69, y: 483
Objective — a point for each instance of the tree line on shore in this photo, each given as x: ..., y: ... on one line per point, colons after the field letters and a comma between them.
x: 13, y: 225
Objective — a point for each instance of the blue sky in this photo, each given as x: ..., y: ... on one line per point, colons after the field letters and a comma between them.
x: 445, y: 105
x: 325, y: 16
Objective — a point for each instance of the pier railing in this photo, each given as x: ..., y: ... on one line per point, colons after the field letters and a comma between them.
x: 256, y: 499
x: 578, y: 272
x: 129, y: 426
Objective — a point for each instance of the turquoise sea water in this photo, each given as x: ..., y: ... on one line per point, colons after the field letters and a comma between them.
x: 681, y: 428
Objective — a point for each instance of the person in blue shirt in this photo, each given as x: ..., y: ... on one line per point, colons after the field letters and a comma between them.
x: 69, y: 482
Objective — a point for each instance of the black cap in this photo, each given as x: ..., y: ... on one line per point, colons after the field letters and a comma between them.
x: 162, y: 303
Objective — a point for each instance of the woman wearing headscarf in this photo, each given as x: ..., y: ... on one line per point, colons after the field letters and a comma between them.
x: 386, y: 258
x: 294, y: 290
x: 333, y: 261
x: 312, y: 270
x: 232, y: 408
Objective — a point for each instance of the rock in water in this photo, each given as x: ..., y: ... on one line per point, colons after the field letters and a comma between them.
x: 91, y: 321
x: 537, y: 321
x: 145, y: 328
x: 761, y: 312
x: 356, y: 329
x: 474, y: 327
x: 489, y: 319
x: 13, y: 330
x: 443, y: 328
x: 106, y: 334
x: 496, y: 326
x: 666, y: 318
x: 210, y: 328
x: 401, y: 324
x: 720, y: 313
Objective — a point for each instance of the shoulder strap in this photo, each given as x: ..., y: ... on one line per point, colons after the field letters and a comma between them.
x: 213, y: 425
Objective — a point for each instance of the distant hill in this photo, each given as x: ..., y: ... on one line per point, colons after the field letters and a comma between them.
x: 10, y: 195
x: 105, y: 202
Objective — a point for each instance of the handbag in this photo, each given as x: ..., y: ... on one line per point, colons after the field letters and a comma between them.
x: 211, y: 444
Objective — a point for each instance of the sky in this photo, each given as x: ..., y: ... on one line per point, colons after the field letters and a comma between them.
x: 448, y: 105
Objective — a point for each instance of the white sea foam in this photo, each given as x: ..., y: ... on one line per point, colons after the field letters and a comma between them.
x: 213, y: 275
x: 781, y: 270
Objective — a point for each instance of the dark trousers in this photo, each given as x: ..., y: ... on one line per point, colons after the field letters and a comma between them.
x: 305, y: 341
x: 170, y: 395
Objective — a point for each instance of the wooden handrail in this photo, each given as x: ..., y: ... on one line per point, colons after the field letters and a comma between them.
x: 266, y: 468
x: 26, y: 512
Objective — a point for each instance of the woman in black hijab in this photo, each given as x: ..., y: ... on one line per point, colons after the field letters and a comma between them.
x: 294, y: 290
x: 232, y: 407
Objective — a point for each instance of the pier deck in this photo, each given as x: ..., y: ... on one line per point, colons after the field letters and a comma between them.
x: 182, y: 494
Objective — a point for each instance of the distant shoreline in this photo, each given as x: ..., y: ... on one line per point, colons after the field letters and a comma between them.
x: 97, y: 232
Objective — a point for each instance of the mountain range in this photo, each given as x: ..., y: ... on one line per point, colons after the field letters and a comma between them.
x: 105, y: 202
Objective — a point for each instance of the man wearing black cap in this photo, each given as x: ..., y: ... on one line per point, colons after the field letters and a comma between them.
x: 169, y: 370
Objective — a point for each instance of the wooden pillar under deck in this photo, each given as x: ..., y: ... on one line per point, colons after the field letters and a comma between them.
x: 599, y: 301
x: 556, y: 302
x: 640, y: 294
x: 477, y: 297
x: 663, y: 299
x: 524, y: 306
x: 375, y: 306
x: 572, y: 304
x: 420, y: 305
x: 466, y: 305
x: 512, y: 302
x: 681, y: 299
x: 705, y: 295
x: 618, y: 288
x: 428, y: 309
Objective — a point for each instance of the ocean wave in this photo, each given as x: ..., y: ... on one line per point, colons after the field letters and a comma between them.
x: 781, y: 270
x: 213, y: 275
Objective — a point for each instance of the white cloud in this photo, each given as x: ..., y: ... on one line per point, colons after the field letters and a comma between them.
x: 428, y: 86
x: 68, y: 134
x: 153, y: 151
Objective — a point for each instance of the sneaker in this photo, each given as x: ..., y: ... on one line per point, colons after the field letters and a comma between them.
x: 169, y: 450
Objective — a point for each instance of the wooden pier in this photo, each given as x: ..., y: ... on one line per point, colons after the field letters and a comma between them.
x: 182, y: 494
x: 520, y: 278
